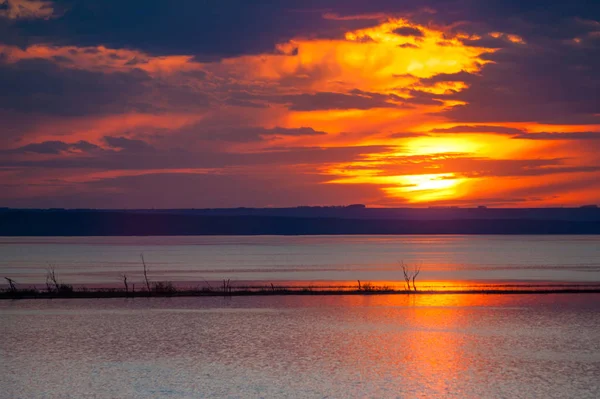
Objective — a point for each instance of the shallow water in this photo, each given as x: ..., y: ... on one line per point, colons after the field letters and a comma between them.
x: 101, y: 260
x: 427, y: 346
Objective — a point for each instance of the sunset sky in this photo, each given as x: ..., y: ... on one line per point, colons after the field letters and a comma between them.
x: 227, y: 103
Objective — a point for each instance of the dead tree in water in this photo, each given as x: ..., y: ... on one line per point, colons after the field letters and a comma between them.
x: 227, y: 286
x: 416, y: 272
x: 51, y: 279
x: 124, y: 277
x: 410, y: 275
x: 11, y: 284
x: 146, y: 275
x: 406, y: 275
x: 53, y: 285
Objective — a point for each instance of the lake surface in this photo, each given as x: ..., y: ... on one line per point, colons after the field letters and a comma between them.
x: 387, y: 346
x: 102, y: 260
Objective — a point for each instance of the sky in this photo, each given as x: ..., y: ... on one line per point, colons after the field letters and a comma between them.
x: 229, y: 103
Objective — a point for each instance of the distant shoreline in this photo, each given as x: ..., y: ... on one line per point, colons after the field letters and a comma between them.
x: 299, y: 221
x: 299, y: 291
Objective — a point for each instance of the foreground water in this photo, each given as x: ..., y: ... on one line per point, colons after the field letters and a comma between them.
x: 428, y: 346
x: 102, y: 260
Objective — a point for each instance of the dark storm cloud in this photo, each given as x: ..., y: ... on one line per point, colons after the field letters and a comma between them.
x: 133, y: 155
x: 52, y: 147
x: 40, y: 86
x: 546, y: 80
x: 203, y: 28
x: 230, y: 27
x: 223, y: 131
x: 124, y: 143
x: 490, y: 42
x: 449, y: 77
x: 353, y: 99
x: 408, y: 31
x: 418, y: 97
x: 525, y: 89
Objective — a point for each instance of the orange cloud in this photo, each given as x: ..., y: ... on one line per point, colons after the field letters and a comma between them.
x: 26, y: 9
x: 368, y: 88
x: 102, y: 59
x: 373, y: 59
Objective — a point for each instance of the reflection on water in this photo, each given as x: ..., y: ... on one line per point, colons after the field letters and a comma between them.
x: 475, y: 346
x: 102, y: 260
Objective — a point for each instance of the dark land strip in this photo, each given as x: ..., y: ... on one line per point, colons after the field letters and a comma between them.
x: 163, y: 223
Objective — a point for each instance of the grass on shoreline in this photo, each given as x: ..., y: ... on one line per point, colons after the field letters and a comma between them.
x: 167, y: 289
x: 57, y: 289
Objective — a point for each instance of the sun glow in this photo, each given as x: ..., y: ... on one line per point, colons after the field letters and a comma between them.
x: 423, y: 188
x: 390, y: 89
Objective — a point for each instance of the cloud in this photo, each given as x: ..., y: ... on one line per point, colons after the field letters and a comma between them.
x: 301, y: 131
x: 53, y: 147
x: 525, y: 83
x: 408, y: 45
x: 203, y: 190
x: 453, y: 166
x: 357, y: 17
x: 42, y: 87
x: 408, y: 31
x: 498, y: 42
x: 318, y: 92
x: 418, y: 97
x: 167, y: 28
x: 328, y: 100
x: 39, y: 86
x: 217, y: 130
x: 406, y: 135
x: 461, y: 76
x: 132, y: 154
x: 26, y: 9
x: 478, y: 129
x: 126, y: 144
x: 108, y: 60
x: 559, y: 136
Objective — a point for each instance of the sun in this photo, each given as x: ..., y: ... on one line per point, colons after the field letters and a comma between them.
x: 425, y: 188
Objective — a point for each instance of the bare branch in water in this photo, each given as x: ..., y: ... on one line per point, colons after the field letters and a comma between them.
x: 146, y: 274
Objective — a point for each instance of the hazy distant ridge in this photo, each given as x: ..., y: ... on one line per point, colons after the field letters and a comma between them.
x: 295, y: 221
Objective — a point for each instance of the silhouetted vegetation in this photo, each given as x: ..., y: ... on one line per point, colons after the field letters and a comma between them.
x: 164, y: 288
x: 56, y: 289
x: 168, y: 289
x: 54, y: 286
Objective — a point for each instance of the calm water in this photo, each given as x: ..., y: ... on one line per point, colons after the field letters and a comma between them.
x: 101, y: 260
x: 420, y: 346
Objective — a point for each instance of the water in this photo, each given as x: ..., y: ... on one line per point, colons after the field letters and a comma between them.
x: 101, y: 260
x: 419, y: 346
